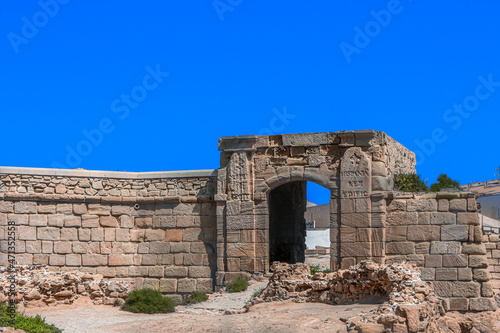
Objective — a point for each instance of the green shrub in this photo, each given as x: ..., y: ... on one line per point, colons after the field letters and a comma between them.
x: 445, y: 182
x: 315, y: 269
x: 237, y: 285
x: 148, y: 301
x: 197, y: 297
x: 29, y: 324
x: 410, y: 182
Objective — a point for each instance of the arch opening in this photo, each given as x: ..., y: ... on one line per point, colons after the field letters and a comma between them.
x: 289, y: 221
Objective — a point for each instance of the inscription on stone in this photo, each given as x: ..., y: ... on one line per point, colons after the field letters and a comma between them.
x: 355, y: 174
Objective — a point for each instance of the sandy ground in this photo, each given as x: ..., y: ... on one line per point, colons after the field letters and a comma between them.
x: 323, y: 261
x: 266, y: 317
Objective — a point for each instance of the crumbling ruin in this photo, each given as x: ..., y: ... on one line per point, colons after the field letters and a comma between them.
x: 180, y: 232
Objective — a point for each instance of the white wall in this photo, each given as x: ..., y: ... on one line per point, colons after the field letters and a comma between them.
x: 317, y: 238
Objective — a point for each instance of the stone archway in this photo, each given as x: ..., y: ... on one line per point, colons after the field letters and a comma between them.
x: 352, y: 165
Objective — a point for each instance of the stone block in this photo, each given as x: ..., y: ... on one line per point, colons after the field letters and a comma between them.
x: 423, y: 233
x: 192, y: 235
x: 64, y: 208
x: 445, y: 247
x: 160, y: 247
x: 176, y: 271
x: 126, y: 221
x: 168, y: 285
x: 446, y: 274
x: 79, y: 209
x: 473, y: 248
x: 173, y: 235
x: 399, y: 248
x: 97, y: 235
x: 151, y: 283
x: 356, y: 220
x: 478, y: 261
x: 79, y: 247
x: 471, y: 205
x: 454, y: 233
x: 422, y: 248
x: 48, y: 233
x: 6, y: 207
x: 396, y: 205
x: 18, y: 219
x: 437, y: 218
x: 180, y: 247
x: 26, y: 233
x: 396, y: 234
x: 454, y: 260
x: 458, y: 205
x: 143, y: 222
x: 427, y: 273
x: 99, y: 209
x: 186, y: 285
x: 25, y: 207
x: 38, y: 220
x: 466, y: 289
x: 94, y: 260
x: 47, y: 247
x: 108, y: 222
x: 433, y: 260
x: 120, y: 260
x: 90, y: 221
x: 122, y: 235
x: 481, y: 275
x: 443, y: 288
x: 402, y: 218
x: 362, y: 249
x: 69, y: 234
x: 199, y: 272
x: 57, y: 260
x: 482, y: 304
x: 443, y: 205
x: 151, y: 235
x: 467, y: 219
x: 73, y: 260
x: 204, y: 285
x: 487, y: 289
x: 33, y: 246
x: 458, y: 304
x: 72, y: 221
x: 62, y: 247
x: 421, y: 205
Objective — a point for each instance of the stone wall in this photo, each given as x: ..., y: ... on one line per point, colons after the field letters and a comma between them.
x: 440, y: 233
x: 492, y: 247
x: 157, y: 233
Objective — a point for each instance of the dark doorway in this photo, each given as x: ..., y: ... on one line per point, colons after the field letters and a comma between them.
x: 287, y: 227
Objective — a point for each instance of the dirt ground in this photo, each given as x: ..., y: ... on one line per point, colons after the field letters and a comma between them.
x: 266, y: 317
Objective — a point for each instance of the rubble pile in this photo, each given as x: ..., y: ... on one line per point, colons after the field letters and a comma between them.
x: 36, y: 286
x: 408, y: 304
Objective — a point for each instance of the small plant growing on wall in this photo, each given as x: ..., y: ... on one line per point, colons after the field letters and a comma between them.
x: 237, y: 285
x: 148, y: 301
x: 410, y: 182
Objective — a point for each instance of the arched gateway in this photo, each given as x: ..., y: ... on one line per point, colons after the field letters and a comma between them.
x: 357, y: 167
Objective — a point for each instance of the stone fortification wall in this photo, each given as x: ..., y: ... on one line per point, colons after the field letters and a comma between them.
x: 154, y: 232
x: 440, y: 232
x: 492, y: 250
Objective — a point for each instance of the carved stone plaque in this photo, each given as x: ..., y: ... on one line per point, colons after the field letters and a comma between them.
x: 355, y: 174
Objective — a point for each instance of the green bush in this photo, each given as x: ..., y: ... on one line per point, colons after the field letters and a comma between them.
x: 29, y: 324
x: 410, y: 182
x: 445, y: 182
x: 315, y: 269
x: 197, y: 297
x: 148, y: 301
x: 237, y: 285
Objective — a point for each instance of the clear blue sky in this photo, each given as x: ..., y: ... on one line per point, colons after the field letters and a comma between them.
x: 156, y: 83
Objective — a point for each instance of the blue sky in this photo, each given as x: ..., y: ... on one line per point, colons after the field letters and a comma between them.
x: 151, y: 85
